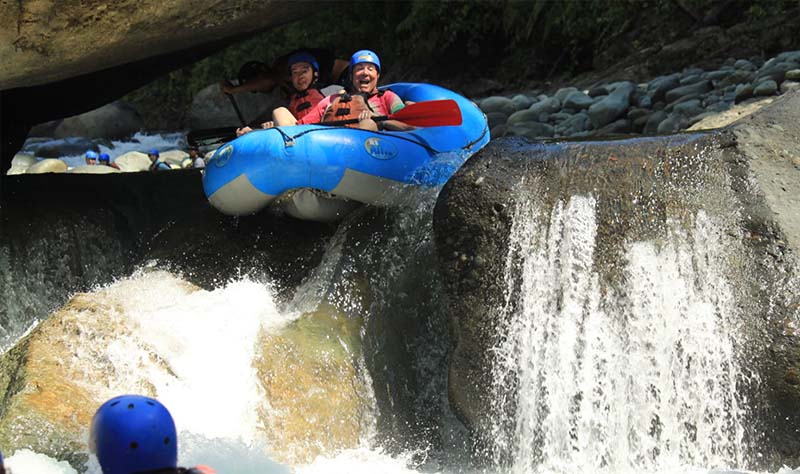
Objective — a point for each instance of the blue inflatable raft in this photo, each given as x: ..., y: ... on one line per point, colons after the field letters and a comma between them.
x: 315, y: 172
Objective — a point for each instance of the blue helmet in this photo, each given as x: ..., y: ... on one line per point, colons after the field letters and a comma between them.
x: 133, y: 433
x: 91, y: 155
x: 302, y: 57
x: 105, y: 157
x: 154, y: 152
x: 365, y: 56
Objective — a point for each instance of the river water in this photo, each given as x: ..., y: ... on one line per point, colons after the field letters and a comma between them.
x: 640, y: 383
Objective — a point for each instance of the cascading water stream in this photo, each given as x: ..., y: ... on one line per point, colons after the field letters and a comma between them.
x: 641, y: 378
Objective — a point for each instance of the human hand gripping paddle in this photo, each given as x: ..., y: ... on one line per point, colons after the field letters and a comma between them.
x: 432, y: 113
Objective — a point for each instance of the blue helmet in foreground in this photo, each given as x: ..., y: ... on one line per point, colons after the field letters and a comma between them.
x: 133, y: 433
x: 91, y: 155
x: 105, y: 157
x: 365, y: 56
x: 302, y: 57
x: 154, y: 152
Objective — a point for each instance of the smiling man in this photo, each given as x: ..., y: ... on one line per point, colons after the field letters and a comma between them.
x: 363, y: 101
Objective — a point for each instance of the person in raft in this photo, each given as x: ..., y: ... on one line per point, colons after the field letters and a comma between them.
x: 155, y: 161
x: 134, y: 434
x: 305, y: 95
x: 255, y: 76
x: 362, y: 102
x: 91, y: 157
x: 105, y: 160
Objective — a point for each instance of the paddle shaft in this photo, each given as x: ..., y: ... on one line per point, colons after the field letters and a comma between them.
x: 236, y: 108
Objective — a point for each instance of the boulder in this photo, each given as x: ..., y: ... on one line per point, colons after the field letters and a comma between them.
x: 112, y: 121
x: 515, y: 253
x: 765, y: 88
x: 52, y: 44
x: 577, y: 100
x: 659, y: 86
x: 612, y: 107
x: 93, y: 169
x: 700, y: 87
x: 21, y: 162
x: 133, y: 161
x: 211, y: 108
x: 48, y: 165
x: 521, y: 102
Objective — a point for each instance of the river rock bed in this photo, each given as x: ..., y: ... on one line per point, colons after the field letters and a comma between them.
x: 665, y: 104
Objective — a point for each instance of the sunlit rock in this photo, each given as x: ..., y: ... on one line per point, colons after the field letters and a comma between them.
x: 317, y: 398
x: 21, y: 162
x: 133, y: 161
x: 93, y: 169
x: 48, y: 165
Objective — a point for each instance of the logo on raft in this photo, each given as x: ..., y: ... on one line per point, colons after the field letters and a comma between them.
x: 222, y: 156
x: 380, y: 148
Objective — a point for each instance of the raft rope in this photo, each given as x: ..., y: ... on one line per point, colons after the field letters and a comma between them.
x: 289, y: 140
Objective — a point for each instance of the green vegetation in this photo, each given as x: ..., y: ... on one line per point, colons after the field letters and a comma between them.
x: 514, y: 42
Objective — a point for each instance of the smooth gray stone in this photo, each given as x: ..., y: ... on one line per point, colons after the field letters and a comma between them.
x: 775, y: 70
x: 671, y: 106
x: 496, y: 118
x: 578, y: 100
x: 531, y: 130
x: 693, y: 70
x: 636, y: 112
x: 651, y: 127
x: 575, y: 124
x: 737, y: 77
x: 659, y: 86
x: 792, y: 75
x: 618, y: 126
x: 673, y: 123
x: 498, y: 104
x: 644, y: 101
x: 547, y: 106
x: 744, y: 65
x: 743, y: 91
x: 688, y: 108
x: 765, y: 88
x: 521, y: 102
x: 697, y: 88
x: 711, y: 99
x: 559, y: 117
x: 793, y: 56
x: 613, y: 106
x: 691, y: 79
x: 562, y: 93
x: 717, y: 75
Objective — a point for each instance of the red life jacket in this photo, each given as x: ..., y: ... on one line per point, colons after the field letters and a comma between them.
x: 301, y: 103
x: 346, y: 106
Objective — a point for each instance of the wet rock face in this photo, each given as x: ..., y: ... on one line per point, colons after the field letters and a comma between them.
x: 744, y: 175
x: 48, y: 40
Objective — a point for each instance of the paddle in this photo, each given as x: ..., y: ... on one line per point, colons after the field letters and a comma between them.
x: 236, y: 108
x: 432, y: 113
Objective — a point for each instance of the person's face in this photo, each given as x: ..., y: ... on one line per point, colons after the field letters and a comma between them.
x: 91, y: 161
x: 302, y: 75
x: 365, y: 77
x: 152, y: 157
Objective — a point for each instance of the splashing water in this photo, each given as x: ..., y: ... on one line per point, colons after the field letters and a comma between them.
x: 644, y: 381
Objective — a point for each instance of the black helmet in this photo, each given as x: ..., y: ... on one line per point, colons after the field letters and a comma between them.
x: 251, y: 70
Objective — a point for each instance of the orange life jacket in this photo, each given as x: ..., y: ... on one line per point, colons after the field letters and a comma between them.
x: 301, y: 103
x: 346, y: 106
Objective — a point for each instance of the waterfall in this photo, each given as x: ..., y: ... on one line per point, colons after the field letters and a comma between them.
x: 637, y: 375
